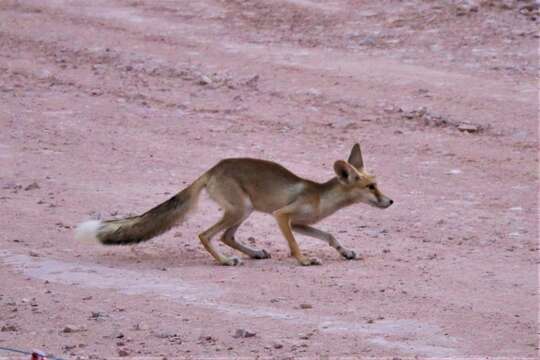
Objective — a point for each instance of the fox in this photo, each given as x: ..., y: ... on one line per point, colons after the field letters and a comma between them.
x: 241, y: 186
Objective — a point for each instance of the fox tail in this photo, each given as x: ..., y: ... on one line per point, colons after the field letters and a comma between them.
x: 135, y: 229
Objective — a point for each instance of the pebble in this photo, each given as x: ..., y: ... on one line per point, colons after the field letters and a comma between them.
x: 242, y: 333
x: 8, y: 328
x: 32, y: 186
x: 141, y: 326
x: 253, y: 81
x: 73, y: 329
x: 470, y: 128
x: 306, y: 306
x: 204, y: 80
x: 123, y: 352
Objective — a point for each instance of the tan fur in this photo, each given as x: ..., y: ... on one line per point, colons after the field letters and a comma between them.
x: 241, y: 186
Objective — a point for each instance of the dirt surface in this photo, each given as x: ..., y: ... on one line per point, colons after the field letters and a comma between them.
x: 109, y: 107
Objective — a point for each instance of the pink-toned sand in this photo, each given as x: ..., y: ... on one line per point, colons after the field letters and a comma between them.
x: 109, y: 107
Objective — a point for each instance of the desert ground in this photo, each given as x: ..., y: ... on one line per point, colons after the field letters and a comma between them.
x: 108, y: 108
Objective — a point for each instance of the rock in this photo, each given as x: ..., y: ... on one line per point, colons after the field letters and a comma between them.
x: 253, y: 82
x: 204, y: 80
x: 241, y: 333
x: 306, y: 306
x: 141, y: 326
x: 123, y: 352
x: 465, y: 7
x: 68, y: 329
x: 369, y: 40
x: 470, y: 128
x: 8, y: 328
x: 32, y: 186
x: 207, y: 339
x: 313, y: 92
x: 98, y: 316
x: 33, y: 254
x: 507, y: 4
x: 277, y: 345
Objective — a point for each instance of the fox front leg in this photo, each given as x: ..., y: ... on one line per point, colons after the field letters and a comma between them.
x: 326, y: 237
x: 284, y: 222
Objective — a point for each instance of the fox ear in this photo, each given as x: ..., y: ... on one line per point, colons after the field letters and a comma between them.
x: 355, y: 159
x: 344, y: 171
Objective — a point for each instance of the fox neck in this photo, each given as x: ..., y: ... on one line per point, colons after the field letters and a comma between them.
x: 333, y: 197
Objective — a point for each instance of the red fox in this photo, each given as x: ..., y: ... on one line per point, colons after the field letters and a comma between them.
x: 241, y: 186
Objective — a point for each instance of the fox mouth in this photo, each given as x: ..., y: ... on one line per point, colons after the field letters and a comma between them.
x: 381, y: 205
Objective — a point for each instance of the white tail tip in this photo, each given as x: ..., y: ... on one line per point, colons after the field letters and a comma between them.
x: 87, y: 231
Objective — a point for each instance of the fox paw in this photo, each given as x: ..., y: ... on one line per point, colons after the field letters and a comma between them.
x: 349, y: 254
x: 232, y: 261
x: 309, y: 261
x: 261, y: 254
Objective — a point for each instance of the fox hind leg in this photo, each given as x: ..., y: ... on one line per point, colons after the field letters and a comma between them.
x: 237, y: 207
x: 229, y: 239
x: 207, y: 235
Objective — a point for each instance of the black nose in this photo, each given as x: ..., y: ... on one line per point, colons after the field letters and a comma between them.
x: 391, y: 202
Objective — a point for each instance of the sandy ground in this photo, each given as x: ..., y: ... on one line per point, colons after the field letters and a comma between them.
x: 109, y: 107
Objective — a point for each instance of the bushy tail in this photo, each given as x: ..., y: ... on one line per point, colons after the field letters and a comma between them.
x: 135, y: 229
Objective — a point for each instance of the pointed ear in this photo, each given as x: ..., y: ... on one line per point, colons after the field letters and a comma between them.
x: 344, y: 171
x: 355, y: 159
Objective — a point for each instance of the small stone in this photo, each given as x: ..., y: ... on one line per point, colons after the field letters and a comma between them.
x: 277, y: 345
x: 141, y: 326
x: 204, y: 80
x: 123, y: 352
x: 306, y: 306
x: 73, y: 329
x: 470, y: 128
x: 32, y: 186
x: 252, y: 83
x: 33, y: 254
x: 466, y: 6
x: 241, y: 333
x: 8, y: 328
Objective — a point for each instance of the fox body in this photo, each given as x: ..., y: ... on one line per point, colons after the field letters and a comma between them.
x: 241, y: 186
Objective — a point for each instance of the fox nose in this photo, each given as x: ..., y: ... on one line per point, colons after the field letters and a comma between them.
x: 391, y: 201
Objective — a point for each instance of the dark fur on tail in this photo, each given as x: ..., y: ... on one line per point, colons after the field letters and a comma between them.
x: 154, y: 222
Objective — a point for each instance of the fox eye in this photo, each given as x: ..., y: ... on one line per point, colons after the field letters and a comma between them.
x: 371, y: 186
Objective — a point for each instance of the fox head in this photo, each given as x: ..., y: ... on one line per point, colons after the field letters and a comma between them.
x: 358, y: 183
